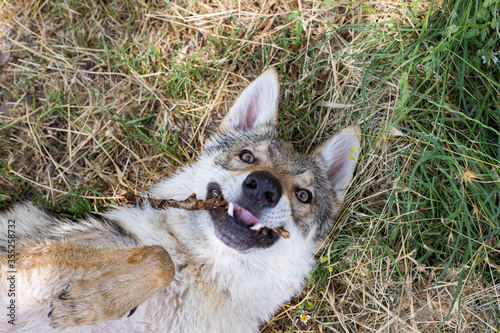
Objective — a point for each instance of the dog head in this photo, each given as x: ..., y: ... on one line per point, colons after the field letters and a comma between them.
x: 267, y: 183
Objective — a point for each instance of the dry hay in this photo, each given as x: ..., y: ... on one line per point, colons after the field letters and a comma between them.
x: 97, y: 104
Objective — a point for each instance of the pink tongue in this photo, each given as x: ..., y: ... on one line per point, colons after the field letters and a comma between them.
x: 244, y: 216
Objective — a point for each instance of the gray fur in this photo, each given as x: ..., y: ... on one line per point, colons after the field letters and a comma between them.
x: 217, y: 288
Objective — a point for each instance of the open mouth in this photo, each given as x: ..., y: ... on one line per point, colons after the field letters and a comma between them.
x: 237, y: 226
x: 244, y: 216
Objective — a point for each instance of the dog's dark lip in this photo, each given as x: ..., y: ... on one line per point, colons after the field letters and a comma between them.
x: 235, y: 233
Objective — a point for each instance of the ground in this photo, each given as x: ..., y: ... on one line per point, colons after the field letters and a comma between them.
x: 101, y: 98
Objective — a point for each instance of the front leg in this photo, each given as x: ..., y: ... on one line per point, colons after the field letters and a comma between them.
x: 90, y: 285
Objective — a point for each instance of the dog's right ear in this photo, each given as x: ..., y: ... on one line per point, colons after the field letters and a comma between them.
x: 257, y: 105
x: 340, y: 154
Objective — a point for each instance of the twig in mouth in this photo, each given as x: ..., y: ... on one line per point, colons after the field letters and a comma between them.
x: 280, y: 231
x: 191, y: 203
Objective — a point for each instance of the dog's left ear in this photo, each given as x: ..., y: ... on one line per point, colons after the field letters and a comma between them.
x: 340, y: 154
x: 257, y: 104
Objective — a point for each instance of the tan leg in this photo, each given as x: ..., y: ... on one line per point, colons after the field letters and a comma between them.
x: 91, y: 285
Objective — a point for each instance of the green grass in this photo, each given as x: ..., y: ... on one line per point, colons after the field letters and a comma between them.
x: 105, y: 98
x: 444, y: 208
x: 451, y: 109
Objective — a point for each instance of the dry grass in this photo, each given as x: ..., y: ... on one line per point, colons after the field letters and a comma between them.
x: 100, y: 100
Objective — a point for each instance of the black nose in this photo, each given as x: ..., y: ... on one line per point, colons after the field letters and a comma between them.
x: 263, y: 188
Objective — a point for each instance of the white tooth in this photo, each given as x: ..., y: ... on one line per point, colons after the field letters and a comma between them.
x: 230, y: 209
x: 257, y: 226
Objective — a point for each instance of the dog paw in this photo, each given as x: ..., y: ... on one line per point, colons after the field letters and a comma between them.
x: 114, y: 293
x: 68, y: 309
x: 84, y: 302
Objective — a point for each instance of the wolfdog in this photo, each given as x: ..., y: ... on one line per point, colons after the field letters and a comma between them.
x: 140, y: 269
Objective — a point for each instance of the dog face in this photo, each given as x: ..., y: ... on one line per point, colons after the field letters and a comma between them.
x: 267, y: 183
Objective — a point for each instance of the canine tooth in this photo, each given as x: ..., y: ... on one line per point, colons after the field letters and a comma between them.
x: 230, y: 209
x: 257, y: 226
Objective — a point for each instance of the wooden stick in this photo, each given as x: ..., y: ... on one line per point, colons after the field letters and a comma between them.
x: 191, y: 203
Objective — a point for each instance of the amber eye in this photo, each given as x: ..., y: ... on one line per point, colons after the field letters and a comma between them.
x: 304, y: 195
x: 247, y: 156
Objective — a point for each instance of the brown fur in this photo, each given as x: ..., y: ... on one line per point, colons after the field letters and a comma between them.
x: 93, y: 285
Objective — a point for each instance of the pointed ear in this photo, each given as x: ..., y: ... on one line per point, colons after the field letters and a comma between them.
x: 340, y: 154
x: 257, y: 104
